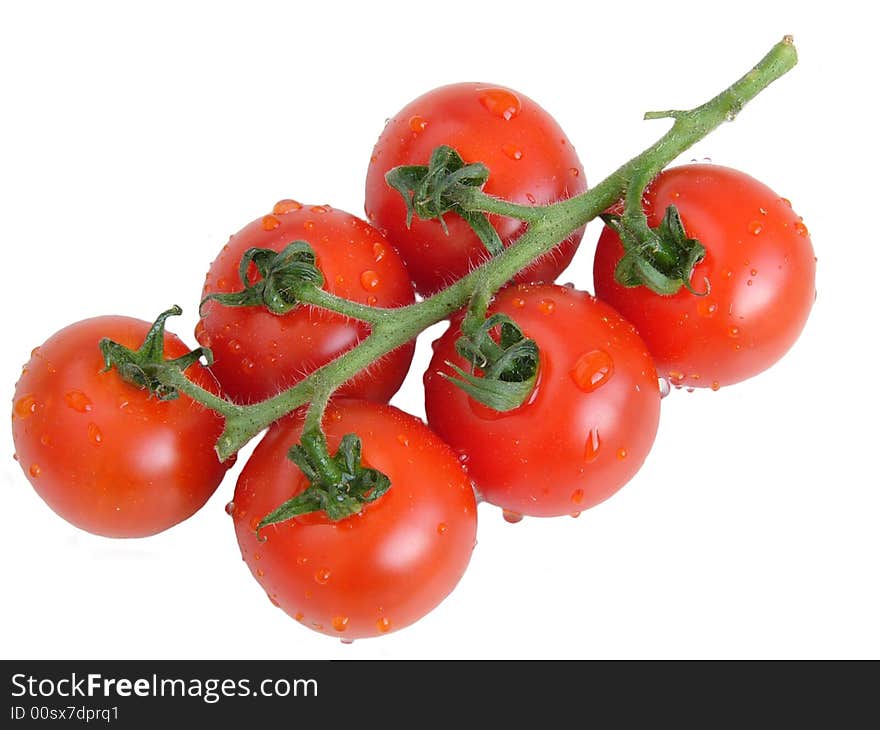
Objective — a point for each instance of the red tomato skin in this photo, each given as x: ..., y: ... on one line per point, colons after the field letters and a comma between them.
x: 102, y: 453
x: 761, y: 270
x: 570, y: 446
x: 258, y: 354
x: 377, y: 571
x: 530, y: 161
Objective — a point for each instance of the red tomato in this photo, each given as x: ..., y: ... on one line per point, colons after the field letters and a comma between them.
x: 589, y: 423
x: 104, y: 454
x: 530, y: 161
x: 257, y: 354
x: 381, y: 569
x: 760, y: 267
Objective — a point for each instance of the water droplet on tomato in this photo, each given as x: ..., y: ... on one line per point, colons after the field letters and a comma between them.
x: 575, y: 515
x: 378, y: 251
x: 501, y: 103
x: 531, y: 198
x: 372, y: 300
x: 78, y: 400
x: 621, y: 454
x: 754, y: 272
x: 442, y: 528
x: 35, y: 470
x: 592, y: 370
x: 301, y: 560
x: 417, y: 124
x: 786, y: 201
x: 511, y: 516
x: 512, y: 151
x: 801, y: 228
x: 591, y: 446
x: 676, y: 378
x: 246, y: 365
x: 705, y: 308
x: 309, y: 225
x: 577, y: 496
x: 320, y: 209
x: 298, y: 616
x: 286, y: 206
x: 733, y: 331
x: 403, y: 439
x: 369, y: 280
x: 230, y: 508
x: 273, y: 601
x: 45, y: 439
x: 755, y: 227
x: 25, y: 406
x: 762, y: 211
x: 233, y: 345
x: 664, y: 386
x: 322, y: 576
x: 574, y: 171
x: 340, y: 623
x: 547, y: 306
x: 347, y: 640
x: 518, y: 302
x: 94, y: 434
x: 383, y: 624
x: 270, y: 223
x: 716, y: 385
x: 260, y: 573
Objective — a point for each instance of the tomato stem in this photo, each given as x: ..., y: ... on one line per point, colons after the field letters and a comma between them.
x: 548, y: 226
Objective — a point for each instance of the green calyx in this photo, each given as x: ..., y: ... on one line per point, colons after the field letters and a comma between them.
x: 339, y: 485
x: 282, y: 275
x: 430, y: 191
x: 508, y: 366
x: 661, y: 258
x: 144, y: 367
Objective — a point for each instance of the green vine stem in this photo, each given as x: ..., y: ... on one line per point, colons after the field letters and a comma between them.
x: 547, y: 226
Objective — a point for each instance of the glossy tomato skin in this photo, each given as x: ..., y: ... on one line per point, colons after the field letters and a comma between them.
x: 257, y: 354
x: 589, y: 423
x: 760, y: 267
x: 530, y: 162
x: 377, y: 571
x: 102, y: 453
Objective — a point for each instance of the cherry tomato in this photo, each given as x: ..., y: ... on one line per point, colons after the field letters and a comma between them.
x: 104, y: 454
x: 381, y: 569
x: 589, y: 423
x: 760, y: 269
x: 530, y: 161
x: 257, y: 353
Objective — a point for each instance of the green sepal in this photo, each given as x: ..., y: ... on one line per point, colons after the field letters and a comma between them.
x: 430, y: 191
x: 339, y: 485
x: 139, y: 367
x: 663, y: 260
x: 282, y: 274
x: 509, y: 367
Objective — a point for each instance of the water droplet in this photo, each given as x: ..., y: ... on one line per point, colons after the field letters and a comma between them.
x: 298, y: 616
x: 577, y: 496
x: 676, y: 378
x: 705, y: 308
x: 403, y: 439
x: 726, y: 273
x: 322, y: 576
x: 94, y: 434
x: 754, y: 272
x: 35, y: 470
x: 340, y: 623
x: 442, y: 528
x: 574, y: 171
x: 383, y: 624
x: 233, y: 346
x: 301, y: 560
x: 592, y: 370
x: 25, y: 406
x: 273, y: 601
x: 309, y: 225
x: 320, y: 209
x: 501, y: 102
x: 786, y: 201
x: 347, y: 640
x: 518, y: 302
x: 716, y: 385
x: 270, y: 223
x: 512, y: 151
x: 665, y: 387
x: 755, y: 227
x: 531, y: 198
x: 45, y: 439
x: 511, y: 517
x: 801, y: 229
x: 78, y: 400
x: 369, y: 280
x: 762, y: 211
x: 378, y: 251
x: 286, y: 206
x: 254, y: 523
x: 547, y: 306
x: 246, y: 365
x: 575, y: 515
x: 591, y: 446
x: 621, y: 454
x: 230, y: 508
x: 733, y: 331
x: 372, y: 300
x: 417, y: 124
x: 260, y: 573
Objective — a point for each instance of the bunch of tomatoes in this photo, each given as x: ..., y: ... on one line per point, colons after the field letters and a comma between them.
x: 117, y: 460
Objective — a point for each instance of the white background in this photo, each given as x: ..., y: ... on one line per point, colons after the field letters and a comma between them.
x: 134, y: 138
